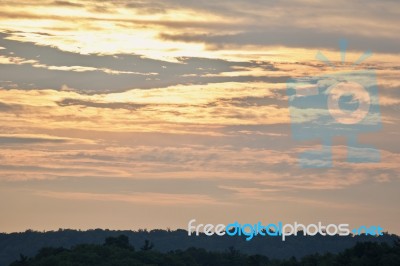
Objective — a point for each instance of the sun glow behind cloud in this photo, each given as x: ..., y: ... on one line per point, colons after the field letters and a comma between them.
x: 109, y: 28
x: 122, y: 30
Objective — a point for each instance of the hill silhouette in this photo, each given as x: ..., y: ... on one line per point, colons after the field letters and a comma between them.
x: 118, y: 251
x: 30, y: 242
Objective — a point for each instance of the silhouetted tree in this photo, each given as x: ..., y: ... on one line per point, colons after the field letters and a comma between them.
x: 147, y: 245
x: 121, y: 241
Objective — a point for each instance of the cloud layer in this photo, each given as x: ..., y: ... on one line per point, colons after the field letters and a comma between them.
x: 178, y: 109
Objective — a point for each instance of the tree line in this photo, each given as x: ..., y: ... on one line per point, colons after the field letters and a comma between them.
x: 117, y: 251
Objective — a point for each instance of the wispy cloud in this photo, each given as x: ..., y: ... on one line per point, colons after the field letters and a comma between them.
x: 134, y: 198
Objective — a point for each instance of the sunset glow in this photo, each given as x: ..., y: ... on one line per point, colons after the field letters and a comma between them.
x: 176, y: 109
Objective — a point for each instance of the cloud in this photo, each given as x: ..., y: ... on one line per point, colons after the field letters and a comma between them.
x: 109, y: 105
x: 289, y: 37
x: 148, y: 198
x: 224, y: 27
x: 19, y: 139
x: 67, y: 3
x: 4, y: 107
x: 29, y: 65
x: 276, y: 195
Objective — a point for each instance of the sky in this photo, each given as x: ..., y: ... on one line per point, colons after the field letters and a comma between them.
x: 136, y: 114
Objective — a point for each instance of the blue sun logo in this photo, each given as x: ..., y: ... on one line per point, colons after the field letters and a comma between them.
x: 339, y: 104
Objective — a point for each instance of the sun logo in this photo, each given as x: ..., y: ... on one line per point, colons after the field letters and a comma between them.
x: 337, y: 104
